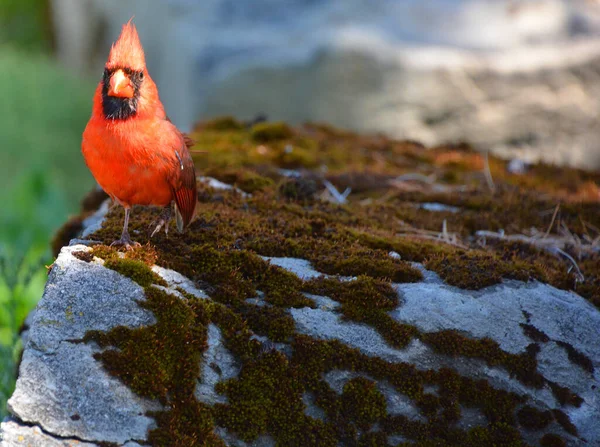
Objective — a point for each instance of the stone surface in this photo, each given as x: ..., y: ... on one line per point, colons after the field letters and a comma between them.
x: 60, y: 386
x: 218, y: 365
x: 14, y: 434
x: 64, y: 397
x: 299, y: 267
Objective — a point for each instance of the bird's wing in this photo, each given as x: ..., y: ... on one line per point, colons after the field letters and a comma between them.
x: 183, y: 184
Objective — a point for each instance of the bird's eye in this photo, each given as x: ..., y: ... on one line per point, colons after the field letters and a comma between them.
x: 141, y: 75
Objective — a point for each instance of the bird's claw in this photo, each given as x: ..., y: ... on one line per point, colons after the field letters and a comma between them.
x: 163, y: 220
x: 126, y: 242
x: 160, y: 223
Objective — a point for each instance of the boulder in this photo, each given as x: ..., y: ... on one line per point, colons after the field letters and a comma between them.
x: 286, y: 317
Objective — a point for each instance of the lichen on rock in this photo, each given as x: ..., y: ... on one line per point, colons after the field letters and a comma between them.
x: 441, y: 325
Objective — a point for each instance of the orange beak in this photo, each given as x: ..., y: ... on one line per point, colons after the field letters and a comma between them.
x: 120, y: 85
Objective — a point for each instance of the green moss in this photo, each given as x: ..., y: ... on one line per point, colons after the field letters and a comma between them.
x: 298, y: 189
x: 373, y: 439
x: 475, y: 271
x: 396, y: 334
x: 565, y: 396
x: 533, y: 419
x: 364, y: 291
x: 162, y: 362
x: 222, y: 252
x: 359, y: 261
x: 266, y: 398
x: 534, y: 333
x: 136, y: 352
x: 523, y: 366
x: 565, y: 422
x: 266, y: 132
x: 247, y: 180
x: 223, y: 123
x: 409, y: 249
x: 496, y: 434
x: 254, y: 183
x: 235, y: 275
x: 363, y: 403
x: 577, y: 357
x: 273, y: 322
x: 136, y: 270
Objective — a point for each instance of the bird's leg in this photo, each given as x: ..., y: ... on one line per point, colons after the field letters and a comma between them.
x: 164, y: 219
x: 125, y: 240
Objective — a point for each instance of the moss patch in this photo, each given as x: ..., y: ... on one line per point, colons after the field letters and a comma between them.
x: 473, y: 270
x: 362, y: 402
x: 533, y: 419
x: 223, y: 253
x: 577, y: 357
x: 171, y: 349
x: 534, y: 334
x: 136, y: 270
x: 265, y: 132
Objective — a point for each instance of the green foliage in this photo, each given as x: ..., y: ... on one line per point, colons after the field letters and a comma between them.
x: 25, y: 23
x: 23, y: 253
x: 42, y: 115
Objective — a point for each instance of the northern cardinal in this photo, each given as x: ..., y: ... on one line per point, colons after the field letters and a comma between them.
x: 133, y: 150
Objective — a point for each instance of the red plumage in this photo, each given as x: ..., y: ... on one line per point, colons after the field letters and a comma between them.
x: 133, y: 150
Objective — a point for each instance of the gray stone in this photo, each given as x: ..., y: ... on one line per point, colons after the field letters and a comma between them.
x: 497, y: 312
x: 64, y: 394
x: 60, y: 386
x: 300, y: 267
x: 439, y: 207
x: 494, y: 312
x: 14, y: 434
x: 327, y: 325
x: 561, y: 315
x: 176, y: 280
x: 323, y: 302
x: 217, y: 184
x: 218, y: 364
x: 395, y: 440
x: 311, y: 409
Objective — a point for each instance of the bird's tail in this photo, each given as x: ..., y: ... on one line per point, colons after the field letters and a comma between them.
x: 185, y: 206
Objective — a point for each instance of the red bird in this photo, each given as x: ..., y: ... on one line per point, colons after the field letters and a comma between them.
x: 133, y: 150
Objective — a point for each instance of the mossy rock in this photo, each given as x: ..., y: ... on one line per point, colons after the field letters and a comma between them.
x: 265, y: 132
x: 407, y: 285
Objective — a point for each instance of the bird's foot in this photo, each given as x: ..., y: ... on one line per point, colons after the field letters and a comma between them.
x: 126, y: 242
x: 163, y: 220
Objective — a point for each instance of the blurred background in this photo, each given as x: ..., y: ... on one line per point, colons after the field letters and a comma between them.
x: 518, y: 77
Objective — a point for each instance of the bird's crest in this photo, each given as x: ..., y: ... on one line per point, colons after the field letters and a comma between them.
x: 127, y: 51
